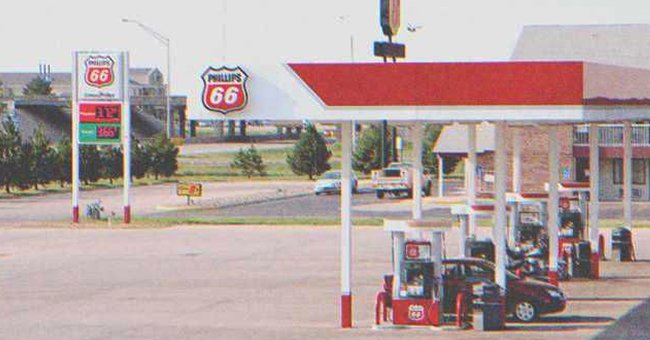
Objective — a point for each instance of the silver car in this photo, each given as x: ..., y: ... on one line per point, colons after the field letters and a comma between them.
x: 330, y: 182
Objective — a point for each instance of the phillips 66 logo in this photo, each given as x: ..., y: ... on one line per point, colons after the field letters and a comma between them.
x: 99, y: 71
x: 416, y: 312
x: 224, y: 89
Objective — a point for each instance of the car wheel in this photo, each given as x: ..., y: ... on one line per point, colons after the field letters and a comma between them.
x: 380, y: 194
x: 318, y: 193
x: 525, y: 311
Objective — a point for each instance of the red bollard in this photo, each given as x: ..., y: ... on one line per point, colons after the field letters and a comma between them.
x: 595, y: 265
x: 460, y: 309
x: 346, y: 311
x: 553, y: 278
x: 379, y: 307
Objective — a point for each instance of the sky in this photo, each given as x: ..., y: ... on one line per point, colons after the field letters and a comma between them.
x: 277, y: 31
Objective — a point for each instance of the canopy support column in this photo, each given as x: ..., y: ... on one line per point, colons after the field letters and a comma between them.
x: 417, y: 132
x: 500, y: 217
x: 516, y: 160
x: 627, y: 174
x: 346, y: 224
x: 594, y: 199
x: 441, y: 184
x: 471, y: 175
x: 553, y: 202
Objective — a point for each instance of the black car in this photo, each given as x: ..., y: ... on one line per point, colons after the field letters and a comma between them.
x: 526, y: 299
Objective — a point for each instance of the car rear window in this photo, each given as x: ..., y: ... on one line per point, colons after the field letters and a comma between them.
x: 392, y: 173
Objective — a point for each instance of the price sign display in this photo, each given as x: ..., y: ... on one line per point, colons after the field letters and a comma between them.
x: 100, y: 123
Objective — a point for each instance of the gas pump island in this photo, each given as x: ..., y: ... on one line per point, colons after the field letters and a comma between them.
x: 413, y: 295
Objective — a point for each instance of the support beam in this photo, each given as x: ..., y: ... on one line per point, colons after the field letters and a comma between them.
x: 500, y: 217
x: 594, y: 199
x: 471, y: 174
x: 441, y: 177
x: 417, y: 132
x: 516, y: 160
x: 346, y: 224
x: 553, y: 202
x: 627, y: 174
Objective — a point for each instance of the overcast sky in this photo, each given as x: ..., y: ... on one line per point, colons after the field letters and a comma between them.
x: 275, y: 31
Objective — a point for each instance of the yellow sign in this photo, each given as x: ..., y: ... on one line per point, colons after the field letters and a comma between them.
x: 189, y: 189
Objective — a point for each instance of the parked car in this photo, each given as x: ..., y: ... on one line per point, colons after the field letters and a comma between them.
x: 526, y: 299
x: 330, y: 182
x: 397, y: 179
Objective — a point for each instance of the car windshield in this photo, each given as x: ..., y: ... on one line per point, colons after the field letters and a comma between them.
x: 491, y: 267
x: 331, y: 175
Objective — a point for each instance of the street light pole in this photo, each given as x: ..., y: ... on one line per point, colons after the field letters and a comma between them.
x: 165, y: 41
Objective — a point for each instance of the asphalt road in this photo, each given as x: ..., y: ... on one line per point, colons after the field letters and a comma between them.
x: 364, y: 204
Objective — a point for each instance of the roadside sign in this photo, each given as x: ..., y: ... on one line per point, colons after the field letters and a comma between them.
x: 390, y: 16
x: 101, y: 113
x: 189, y: 189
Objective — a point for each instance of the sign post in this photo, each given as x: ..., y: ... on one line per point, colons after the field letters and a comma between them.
x: 101, y: 113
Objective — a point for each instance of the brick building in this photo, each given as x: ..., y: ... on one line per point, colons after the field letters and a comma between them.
x: 620, y: 45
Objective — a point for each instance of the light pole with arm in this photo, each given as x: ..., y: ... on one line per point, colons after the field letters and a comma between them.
x: 165, y: 41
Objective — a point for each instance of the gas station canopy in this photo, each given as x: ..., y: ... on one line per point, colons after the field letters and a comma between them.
x: 522, y: 91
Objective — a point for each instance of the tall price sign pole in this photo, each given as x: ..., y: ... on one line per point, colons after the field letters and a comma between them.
x: 101, y: 113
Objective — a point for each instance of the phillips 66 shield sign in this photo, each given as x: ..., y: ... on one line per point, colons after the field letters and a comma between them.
x: 224, y: 89
x: 99, y: 76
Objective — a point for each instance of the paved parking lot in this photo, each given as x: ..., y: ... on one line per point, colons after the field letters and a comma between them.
x: 238, y: 282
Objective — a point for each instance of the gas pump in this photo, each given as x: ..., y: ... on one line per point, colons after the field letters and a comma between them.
x: 573, y: 246
x: 528, y: 218
x: 413, y: 294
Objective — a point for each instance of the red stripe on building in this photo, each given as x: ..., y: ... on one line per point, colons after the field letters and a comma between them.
x: 445, y: 84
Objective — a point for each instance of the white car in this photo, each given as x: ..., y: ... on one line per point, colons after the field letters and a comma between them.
x: 330, y: 182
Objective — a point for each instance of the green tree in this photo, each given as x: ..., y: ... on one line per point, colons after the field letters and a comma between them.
x: 91, y: 164
x: 164, y: 156
x: 367, y: 155
x: 429, y: 159
x: 310, y: 156
x: 43, y: 160
x: 38, y: 87
x: 140, y: 160
x: 24, y: 178
x: 63, y: 161
x: 10, y: 153
x: 249, y: 162
x: 112, y: 163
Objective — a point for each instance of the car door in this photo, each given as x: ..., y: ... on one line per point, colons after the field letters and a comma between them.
x: 453, y: 279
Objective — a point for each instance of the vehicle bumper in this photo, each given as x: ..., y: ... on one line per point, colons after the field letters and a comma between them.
x: 555, y: 306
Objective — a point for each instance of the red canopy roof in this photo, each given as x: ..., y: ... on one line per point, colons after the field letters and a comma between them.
x: 442, y: 84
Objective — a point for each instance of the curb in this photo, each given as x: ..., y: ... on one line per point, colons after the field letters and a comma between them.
x: 240, y: 201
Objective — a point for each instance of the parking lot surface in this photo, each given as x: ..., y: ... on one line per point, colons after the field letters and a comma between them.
x: 241, y: 282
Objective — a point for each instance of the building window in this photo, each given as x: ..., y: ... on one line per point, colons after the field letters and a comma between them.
x: 638, y: 171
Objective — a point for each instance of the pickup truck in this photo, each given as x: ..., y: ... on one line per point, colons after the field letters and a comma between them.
x: 397, y: 179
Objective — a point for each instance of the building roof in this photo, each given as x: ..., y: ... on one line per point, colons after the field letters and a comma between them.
x: 621, y: 45
x: 453, y: 139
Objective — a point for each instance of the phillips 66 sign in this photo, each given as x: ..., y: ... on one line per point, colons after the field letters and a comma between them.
x: 99, y: 76
x: 224, y: 89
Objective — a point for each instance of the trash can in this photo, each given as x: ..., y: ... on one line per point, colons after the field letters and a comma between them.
x: 483, y: 249
x: 582, y: 260
x: 621, y: 245
x: 488, y: 312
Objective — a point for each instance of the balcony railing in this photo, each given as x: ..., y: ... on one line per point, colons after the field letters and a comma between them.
x: 612, y: 135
